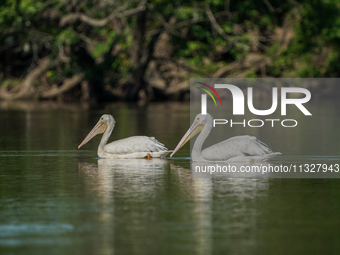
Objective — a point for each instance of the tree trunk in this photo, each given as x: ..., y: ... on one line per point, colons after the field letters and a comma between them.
x: 136, y: 80
x: 141, y: 56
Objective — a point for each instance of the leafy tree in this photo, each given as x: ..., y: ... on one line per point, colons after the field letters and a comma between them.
x: 80, y: 50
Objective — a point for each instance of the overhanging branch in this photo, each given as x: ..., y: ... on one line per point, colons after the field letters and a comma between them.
x: 67, y: 85
x: 26, y: 88
x: 74, y: 17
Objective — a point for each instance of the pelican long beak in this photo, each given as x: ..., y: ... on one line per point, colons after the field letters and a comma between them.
x: 99, y: 128
x: 192, y: 131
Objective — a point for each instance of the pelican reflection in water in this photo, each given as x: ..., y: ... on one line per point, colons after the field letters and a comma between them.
x: 236, y: 149
x: 128, y: 148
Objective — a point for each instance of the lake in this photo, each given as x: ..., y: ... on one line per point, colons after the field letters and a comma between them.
x: 56, y: 199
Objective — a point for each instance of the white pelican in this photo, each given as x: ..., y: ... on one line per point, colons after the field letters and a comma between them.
x: 236, y: 149
x: 128, y: 148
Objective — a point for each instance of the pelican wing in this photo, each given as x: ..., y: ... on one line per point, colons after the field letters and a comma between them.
x: 235, y: 147
x: 135, y: 144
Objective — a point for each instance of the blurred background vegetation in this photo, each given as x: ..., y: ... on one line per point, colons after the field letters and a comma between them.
x: 103, y: 50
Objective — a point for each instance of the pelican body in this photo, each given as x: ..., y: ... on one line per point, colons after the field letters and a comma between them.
x: 128, y: 148
x: 236, y: 149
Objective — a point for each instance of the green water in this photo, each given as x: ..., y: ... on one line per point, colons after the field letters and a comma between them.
x: 55, y: 199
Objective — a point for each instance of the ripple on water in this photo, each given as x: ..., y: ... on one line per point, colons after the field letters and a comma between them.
x: 34, y: 234
x: 11, y: 230
x: 46, y: 153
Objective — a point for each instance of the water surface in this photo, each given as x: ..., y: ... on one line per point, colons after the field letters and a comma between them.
x: 55, y: 199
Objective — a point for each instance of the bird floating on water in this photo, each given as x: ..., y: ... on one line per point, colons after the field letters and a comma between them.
x: 235, y: 149
x: 128, y: 148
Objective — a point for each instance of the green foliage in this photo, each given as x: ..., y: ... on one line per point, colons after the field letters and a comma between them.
x: 30, y: 29
x: 314, y: 49
x: 52, y: 75
x: 14, y: 13
x: 67, y: 37
x: 250, y: 74
x: 102, y: 47
x: 11, y: 83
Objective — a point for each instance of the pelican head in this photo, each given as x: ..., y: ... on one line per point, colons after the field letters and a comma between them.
x: 104, y: 122
x: 196, y: 127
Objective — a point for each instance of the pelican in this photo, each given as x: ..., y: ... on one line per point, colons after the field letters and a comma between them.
x: 243, y: 148
x: 128, y: 148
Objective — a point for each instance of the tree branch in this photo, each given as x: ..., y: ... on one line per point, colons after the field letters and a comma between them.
x: 269, y: 6
x: 26, y: 87
x: 74, y: 17
x: 184, y: 23
x: 67, y: 85
x: 214, y: 23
